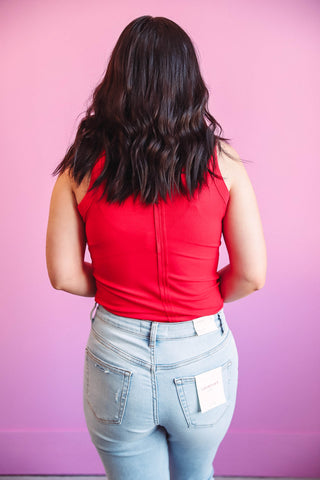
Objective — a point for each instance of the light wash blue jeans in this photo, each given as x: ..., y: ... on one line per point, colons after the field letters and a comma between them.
x: 140, y: 396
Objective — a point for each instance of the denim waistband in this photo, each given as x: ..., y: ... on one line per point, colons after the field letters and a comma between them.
x: 163, y: 329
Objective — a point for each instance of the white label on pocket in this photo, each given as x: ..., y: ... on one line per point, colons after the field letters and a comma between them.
x: 204, y: 325
x: 210, y: 389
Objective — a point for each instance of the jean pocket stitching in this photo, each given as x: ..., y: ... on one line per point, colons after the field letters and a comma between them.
x: 195, y: 419
x: 115, y: 392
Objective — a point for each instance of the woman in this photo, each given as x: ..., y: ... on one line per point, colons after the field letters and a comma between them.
x: 151, y: 186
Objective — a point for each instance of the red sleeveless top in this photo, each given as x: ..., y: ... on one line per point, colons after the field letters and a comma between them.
x: 156, y: 262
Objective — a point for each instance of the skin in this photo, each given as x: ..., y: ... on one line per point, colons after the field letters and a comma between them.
x: 242, y: 231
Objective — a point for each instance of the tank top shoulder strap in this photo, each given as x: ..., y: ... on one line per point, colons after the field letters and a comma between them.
x: 85, y: 203
x: 97, y: 169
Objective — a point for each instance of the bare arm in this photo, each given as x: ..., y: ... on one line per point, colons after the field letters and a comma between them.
x: 66, y: 243
x: 243, y: 234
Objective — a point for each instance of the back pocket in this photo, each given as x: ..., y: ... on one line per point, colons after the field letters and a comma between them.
x: 106, y: 389
x: 188, y: 397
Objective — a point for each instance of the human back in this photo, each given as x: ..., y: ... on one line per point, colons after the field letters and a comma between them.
x: 150, y: 122
x: 157, y: 261
x: 150, y: 117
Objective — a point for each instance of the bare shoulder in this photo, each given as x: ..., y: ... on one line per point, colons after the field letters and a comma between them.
x: 230, y: 164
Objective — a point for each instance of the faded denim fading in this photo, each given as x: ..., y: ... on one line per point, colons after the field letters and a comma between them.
x: 140, y: 396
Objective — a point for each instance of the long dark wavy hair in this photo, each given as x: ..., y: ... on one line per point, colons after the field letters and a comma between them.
x: 150, y: 116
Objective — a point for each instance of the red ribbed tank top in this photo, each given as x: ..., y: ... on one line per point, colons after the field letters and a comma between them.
x: 156, y: 262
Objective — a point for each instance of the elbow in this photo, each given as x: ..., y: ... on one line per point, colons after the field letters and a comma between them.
x: 59, y: 278
x: 258, y: 281
x: 255, y: 279
x: 56, y: 285
x: 55, y: 282
x: 54, y: 274
x: 256, y: 276
x: 258, y: 284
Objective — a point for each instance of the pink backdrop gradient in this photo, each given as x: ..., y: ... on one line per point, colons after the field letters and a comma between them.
x: 261, y: 63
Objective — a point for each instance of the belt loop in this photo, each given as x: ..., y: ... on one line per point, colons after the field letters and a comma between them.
x: 91, y: 313
x: 153, y: 334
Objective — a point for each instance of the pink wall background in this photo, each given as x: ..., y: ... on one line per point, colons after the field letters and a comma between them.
x: 261, y: 63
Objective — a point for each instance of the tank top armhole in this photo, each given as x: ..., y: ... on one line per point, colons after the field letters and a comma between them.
x: 84, y: 204
x: 220, y: 183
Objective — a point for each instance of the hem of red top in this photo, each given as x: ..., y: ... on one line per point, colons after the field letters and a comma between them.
x: 156, y: 318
